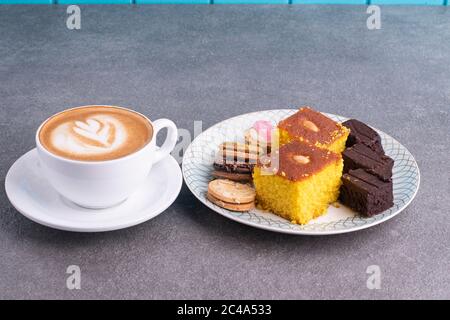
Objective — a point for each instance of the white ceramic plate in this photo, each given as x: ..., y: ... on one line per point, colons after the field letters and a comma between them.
x: 199, y: 157
x: 31, y: 194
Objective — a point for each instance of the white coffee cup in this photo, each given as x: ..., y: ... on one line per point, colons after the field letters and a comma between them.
x: 102, y: 184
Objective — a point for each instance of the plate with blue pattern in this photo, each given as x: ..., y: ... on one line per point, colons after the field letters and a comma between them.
x: 198, y: 165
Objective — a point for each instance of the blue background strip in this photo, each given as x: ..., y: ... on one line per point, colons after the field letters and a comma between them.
x: 360, y: 2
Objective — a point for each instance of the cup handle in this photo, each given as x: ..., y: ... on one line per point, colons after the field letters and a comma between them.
x: 171, y: 139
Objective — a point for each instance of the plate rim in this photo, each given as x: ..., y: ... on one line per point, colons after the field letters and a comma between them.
x: 290, y: 231
x: 143, y: 218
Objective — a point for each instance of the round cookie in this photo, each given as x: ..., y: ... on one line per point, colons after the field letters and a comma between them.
x: 231, y: 206
x: 231, y: 191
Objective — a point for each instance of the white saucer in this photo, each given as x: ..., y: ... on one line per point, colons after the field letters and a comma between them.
x: 31, y: 194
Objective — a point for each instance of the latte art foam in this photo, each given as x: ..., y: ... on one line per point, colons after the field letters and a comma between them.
x: 100, y: 134
x: 95, y: 133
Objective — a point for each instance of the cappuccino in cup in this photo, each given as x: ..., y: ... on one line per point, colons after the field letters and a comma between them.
x: 97, y: 156
x: 96, y: 133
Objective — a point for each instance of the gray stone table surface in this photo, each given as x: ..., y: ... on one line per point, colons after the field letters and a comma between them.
x: 210, y: 63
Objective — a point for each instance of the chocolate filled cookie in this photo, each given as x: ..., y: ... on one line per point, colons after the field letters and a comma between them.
x: 235, y: 161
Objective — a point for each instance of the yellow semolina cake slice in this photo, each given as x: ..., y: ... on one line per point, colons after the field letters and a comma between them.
x: 314, y: 128
x: 302, y: 184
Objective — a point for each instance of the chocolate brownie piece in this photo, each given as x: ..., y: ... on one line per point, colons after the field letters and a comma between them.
x: 366, y: 193
x: 360, y: 156
x: 361, y: 133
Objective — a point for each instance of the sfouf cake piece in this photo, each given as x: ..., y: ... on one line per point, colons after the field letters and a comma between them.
x: 366, y: 193
x: 305, y: 181
x: 313, y: 127
x: 362, y: 133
